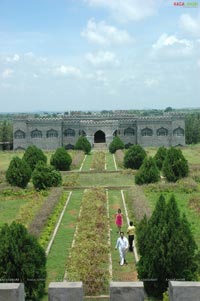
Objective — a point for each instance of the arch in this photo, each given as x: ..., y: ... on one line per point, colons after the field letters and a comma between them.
x: 146, y: 132
x: 127, y: 145
x: 162, y: 132
x: 129, y: 132
x: 36, y: 134
x: 19, y: 148
x: 115, y: 133
x: 178, y: 132
x: 99, y: 137
x: 69, y: 132
x: 52, y: 133
x: 82, y: 133
x: 19, y: 134
x: 69, y: 146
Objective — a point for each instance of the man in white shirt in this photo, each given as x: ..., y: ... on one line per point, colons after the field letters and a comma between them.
x: 122, y: 246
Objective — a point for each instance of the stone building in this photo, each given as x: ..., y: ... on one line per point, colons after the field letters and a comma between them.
x: 51, y: 133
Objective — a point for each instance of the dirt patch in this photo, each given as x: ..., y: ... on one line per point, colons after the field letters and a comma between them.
x: 71, y: 226
x: 115, y: 207
x: 72, y: 212
x: 128, y: 276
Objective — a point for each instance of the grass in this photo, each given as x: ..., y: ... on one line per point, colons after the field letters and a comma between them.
x: 126, y: 272
x: 13, y: 203
x: 105, y: 179
x: 63, y: 241
x: 109, y: 161
x: 6, y: 157
x: 87, y: 163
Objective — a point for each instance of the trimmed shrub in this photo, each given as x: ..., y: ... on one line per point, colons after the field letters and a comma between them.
x: 18, y: 172
x: 33, y: 155
x: 175, y: 166
x: 61, y: 160
x: 160, y: 156
x: 116, y: 144
x: 134, y: 157
x: 148, y: 172
x: 22, y: 258
x: 83, y: 144
x: 45, y: 176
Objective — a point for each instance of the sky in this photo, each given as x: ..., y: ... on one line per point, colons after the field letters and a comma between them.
x: 65, y: 55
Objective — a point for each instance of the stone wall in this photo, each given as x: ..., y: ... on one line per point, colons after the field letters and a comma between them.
x: 51, y: 133
x: 119, y: 291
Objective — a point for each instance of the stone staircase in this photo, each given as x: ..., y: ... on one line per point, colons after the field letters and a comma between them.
x: 100, y: 146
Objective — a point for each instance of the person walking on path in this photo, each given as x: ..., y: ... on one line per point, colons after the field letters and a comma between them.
x: 131, y: 232
x: 119, y: 219
x: 122, y: 246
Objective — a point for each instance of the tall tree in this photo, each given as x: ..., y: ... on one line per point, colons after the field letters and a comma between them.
x: 169, y: 249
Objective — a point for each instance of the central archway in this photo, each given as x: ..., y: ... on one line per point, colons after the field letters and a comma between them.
x: 99, y: 137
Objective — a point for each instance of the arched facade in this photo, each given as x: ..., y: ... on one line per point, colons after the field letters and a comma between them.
x: 166, y: 130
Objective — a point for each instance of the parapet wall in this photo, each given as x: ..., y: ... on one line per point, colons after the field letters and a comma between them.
x: 119, y: 291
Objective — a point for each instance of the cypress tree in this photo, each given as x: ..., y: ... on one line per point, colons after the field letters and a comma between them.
x: 160, y: 156
x: 22, y: 258
x: 175, y: 166
x: 18, y: 172
x: 116, y: 144
x: 83, y: 144
x: 61, y: 160
x: 134, y: 157
x: 148, y: 172
x: 169, y: 249
x: 33, y: 155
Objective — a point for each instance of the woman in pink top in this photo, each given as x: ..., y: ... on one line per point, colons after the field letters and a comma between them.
x: 119, y: 219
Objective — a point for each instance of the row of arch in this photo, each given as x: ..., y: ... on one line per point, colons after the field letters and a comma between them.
x: 19, y: 134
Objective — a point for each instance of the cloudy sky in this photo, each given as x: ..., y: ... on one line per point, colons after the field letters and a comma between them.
x: 98, y: 54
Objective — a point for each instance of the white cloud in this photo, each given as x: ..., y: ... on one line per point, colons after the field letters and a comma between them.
x: 98, y: 77
x: 151, y: 82
x: 102, y: 57
x: 127, y: 10
x: 190, y: 25
x: 7, y: 73
x: 103, y: 34
x: 14, y: 58
x: 68, y: 70
x: 171, y: 45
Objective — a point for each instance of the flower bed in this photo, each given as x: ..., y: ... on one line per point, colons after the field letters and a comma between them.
x: 98, y: 161
x: 41, y: 218
x: 88, y: 261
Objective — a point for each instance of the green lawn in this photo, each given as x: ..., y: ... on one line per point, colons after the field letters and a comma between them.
x: 59, y: 252
x: 109, y: 161
x: 105, y: 179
